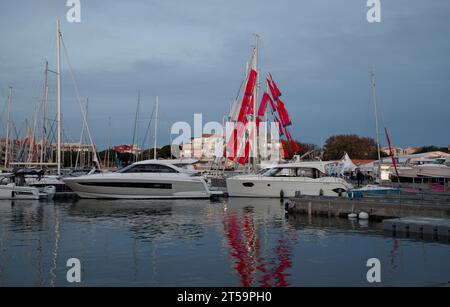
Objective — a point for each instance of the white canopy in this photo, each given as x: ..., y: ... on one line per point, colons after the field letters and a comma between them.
x: 346, y: 165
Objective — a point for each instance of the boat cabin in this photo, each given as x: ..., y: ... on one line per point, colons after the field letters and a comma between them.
x: 302, y: 169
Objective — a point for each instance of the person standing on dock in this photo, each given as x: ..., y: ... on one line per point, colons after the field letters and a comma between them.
x: 359, y: 177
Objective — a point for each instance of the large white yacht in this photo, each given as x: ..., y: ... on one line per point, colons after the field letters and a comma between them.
x: 142, y: 180
x: 289, y: 180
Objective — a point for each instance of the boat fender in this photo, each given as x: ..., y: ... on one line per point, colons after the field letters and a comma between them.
x: 363, y: 215
x: 352, y: 216
x: 288, y: 206
x: 281, y: 194
x: 321, y: 192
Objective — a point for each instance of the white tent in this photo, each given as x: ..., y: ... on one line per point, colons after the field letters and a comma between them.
x: 346, y: 165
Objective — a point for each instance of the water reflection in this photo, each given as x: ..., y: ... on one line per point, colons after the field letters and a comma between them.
x: 147, y: 220
x: 257, y: 260
x: 233, y: 242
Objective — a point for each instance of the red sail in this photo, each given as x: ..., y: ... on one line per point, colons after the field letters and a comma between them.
x: 251, y: 106
x: 244, y: 108
x: 231, y: 148
x: 243, y: 159
x: 282, y: 112
x: 251, y: 83
x: 390, y: 151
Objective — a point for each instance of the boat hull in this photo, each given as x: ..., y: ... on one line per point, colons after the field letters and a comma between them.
x: 15, y: 192
x: 121, y: 188
x: 271, y: 187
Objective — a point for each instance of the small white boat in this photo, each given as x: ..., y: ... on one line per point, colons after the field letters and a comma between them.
x: 433, y: 170
x: 143, y: 180
x: 14, y: 187
x: 373, y: 189
x: 12, y: 191
x: 289, y: 180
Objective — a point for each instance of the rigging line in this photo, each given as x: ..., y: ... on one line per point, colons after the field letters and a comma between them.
x: 148, y: 127
x: 2, y: 122
x: 88, y: 130
x: 136, y: 118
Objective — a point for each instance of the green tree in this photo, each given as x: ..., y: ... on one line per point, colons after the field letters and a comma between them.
x: 431, y: 148
x: 356, y: 146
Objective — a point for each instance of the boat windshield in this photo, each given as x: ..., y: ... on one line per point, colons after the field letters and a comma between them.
x: 294, y: 172
x: 147, y: 168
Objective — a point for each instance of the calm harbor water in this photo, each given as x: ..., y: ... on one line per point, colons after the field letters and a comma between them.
x: 233, y: 242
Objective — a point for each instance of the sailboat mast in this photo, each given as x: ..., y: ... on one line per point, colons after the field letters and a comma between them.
x: 58, y: 74
x: 109, y: 142
x: 136, y: 117
x: 156, y: 127
x: 255, y: 106
x: 44, y: 111
x: 7, y: 126
x: 374, y: 97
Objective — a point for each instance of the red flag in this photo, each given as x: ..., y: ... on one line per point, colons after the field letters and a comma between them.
x: 282, y: 112
x: 263, y: 106
x: 390, y: 151
x: 275, y: 88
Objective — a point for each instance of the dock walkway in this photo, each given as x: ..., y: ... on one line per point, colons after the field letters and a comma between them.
x: 378, y: 207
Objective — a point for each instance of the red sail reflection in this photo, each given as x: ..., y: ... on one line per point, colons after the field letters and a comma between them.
x: 245, y: 249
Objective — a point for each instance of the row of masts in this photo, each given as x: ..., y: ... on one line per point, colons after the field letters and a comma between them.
x: 7, y: 161
x: 36, y: 155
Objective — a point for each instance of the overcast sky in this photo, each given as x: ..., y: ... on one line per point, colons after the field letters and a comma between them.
x: 192, y: 53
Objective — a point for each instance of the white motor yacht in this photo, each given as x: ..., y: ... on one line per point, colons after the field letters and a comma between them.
x: 142, y: 180
x: 289, y: 180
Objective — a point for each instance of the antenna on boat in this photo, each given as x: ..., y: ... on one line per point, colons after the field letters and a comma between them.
x: 156, y: 127
x: 374, y: 98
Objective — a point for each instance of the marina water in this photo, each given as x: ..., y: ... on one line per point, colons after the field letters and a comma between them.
x: 230, y: 242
